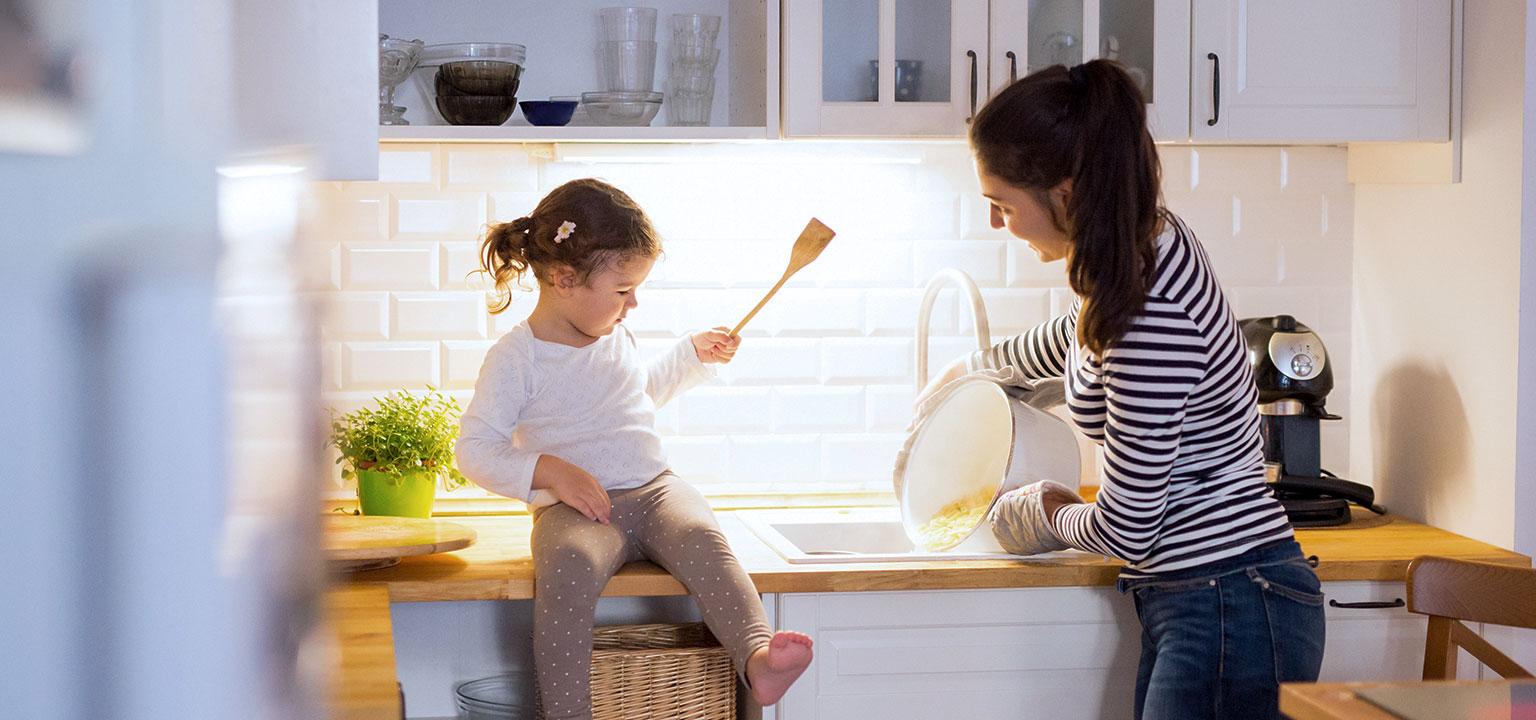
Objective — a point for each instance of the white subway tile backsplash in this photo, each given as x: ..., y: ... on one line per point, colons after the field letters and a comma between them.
x: 818, y: 409
x: 461, y: 362
x: 819, y: 313
x: 1010, y: 312
x: 849, y: 264
x: 509, y: 206
x: 702, y: 459
x: 717, y: 410
x: 820, y: 395
x: 410, y: 164
x: 506, y: 168
x: 453, y: 217
x: 981, y: 259
x: 895, y: 312
x: 319, y: 265
x: 1292, y: 216
x: 440, y: 316
x: 359, y: 316
x: 785, y: 461
x: 775, y: 361
x: 390, y: 266
x: 390, y: 365
x: 860, y: 457
x: 888, y: 408
x: 866, y: 361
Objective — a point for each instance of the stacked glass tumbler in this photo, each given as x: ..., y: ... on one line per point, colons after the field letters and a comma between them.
x: 691, y: 76
x: 628, y: 49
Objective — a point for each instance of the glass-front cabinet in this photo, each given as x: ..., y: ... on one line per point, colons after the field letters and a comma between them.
x: 1149, y: 37
x: 873, y: 68
x: 922, y: 67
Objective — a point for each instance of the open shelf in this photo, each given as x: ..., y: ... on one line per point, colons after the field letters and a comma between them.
x: 585, y: 133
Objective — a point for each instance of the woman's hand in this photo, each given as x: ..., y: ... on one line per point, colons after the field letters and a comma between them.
x: 573, y: 486
x: 953, y: 370
x: 717, y: 345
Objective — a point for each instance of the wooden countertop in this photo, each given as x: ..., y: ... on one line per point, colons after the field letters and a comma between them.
x: 498, y: 566
x: 364, y: 685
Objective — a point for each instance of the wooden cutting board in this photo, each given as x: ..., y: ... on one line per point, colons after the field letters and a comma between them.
x: 367, y: 542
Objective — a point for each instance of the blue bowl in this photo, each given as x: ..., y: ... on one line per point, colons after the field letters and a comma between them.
x: 548, y: 112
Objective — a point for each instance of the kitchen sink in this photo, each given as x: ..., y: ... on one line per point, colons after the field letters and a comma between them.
x: 856, y: 535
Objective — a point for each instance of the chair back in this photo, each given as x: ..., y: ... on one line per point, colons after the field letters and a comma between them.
x: 1455, y: 592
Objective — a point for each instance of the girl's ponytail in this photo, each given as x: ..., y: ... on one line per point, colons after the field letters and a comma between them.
x: 504, y: 256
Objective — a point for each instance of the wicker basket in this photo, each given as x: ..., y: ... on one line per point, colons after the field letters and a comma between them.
x: 648, y: 672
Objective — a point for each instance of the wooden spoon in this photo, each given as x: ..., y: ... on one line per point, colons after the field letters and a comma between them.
x: 813, y: 239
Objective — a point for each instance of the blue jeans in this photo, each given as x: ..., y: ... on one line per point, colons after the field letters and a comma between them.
x: 1217, y: 640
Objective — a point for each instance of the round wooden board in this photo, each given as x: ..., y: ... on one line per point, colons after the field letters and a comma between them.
x: 364, y: 542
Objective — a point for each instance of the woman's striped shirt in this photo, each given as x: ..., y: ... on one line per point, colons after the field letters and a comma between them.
x: 1174, y: 406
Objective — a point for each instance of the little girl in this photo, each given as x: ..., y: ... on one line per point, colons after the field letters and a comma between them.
x: 563, y: 417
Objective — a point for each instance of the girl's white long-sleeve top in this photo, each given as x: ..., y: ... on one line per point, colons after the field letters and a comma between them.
x: 593, y: 406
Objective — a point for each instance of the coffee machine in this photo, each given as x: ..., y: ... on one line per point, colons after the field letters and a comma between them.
x: 1292, y: 370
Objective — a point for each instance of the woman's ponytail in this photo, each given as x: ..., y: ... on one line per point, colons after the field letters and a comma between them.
x: 1113, y: 207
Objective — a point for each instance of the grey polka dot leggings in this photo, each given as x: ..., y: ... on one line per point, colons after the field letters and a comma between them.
x: 665, y: 521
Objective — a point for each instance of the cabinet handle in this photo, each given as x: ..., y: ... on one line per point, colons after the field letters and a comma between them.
x: 1215, y: 88
x: 972, y: 55
x: 1368, y: 605
x: 1013, y: 66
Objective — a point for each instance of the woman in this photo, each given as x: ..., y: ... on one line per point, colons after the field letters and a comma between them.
x: 1155, y: 371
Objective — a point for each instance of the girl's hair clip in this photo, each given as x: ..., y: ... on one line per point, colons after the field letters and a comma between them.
x: 566, y: 228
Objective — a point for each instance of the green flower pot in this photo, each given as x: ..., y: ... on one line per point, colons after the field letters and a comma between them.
x: 407, y: 495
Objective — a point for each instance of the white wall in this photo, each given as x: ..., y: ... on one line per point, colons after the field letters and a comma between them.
x: 1437, y: 289
x: 821, y: 392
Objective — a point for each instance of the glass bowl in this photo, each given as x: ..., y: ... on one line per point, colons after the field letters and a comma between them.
x: 621, y: 108
x: 500, y: 697
x: 477, y: 77
x: 434, y: 55
x: 476, y: 109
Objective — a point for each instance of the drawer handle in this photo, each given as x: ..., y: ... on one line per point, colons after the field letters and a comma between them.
x: 1368, y: 605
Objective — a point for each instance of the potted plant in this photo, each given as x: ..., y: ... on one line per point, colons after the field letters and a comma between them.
x: 399, y: 451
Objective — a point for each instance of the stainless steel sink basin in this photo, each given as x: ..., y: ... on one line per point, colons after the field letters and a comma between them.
x: 833, y: 535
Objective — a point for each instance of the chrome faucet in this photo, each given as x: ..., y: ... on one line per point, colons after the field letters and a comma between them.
x: 930, y: 294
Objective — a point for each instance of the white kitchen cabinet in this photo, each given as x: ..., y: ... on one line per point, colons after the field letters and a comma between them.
x: 1321, y: 70
x: 1058, y: 653
x: 881, y: 68
x: 1150, y: 38
x: 937, y: 62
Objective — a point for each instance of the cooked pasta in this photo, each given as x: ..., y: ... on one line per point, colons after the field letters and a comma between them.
x: 956, y: 520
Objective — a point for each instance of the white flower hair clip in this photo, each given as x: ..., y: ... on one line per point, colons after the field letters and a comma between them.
x: 566, y: 228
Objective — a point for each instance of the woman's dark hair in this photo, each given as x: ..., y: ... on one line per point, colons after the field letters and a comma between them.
x: 606, y: 226
x: 1087, y: 124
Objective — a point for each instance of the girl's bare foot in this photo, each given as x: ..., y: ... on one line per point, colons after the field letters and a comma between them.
x: 774, y: 667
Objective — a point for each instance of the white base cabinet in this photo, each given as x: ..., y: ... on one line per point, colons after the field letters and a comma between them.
x: 1017, y: 654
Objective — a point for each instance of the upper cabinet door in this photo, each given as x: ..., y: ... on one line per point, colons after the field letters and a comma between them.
x: 1151, y: 38
x: 1321, y: 70
x: 872, y: 68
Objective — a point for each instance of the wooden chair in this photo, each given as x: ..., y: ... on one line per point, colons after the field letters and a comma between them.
x: 1452, y: 591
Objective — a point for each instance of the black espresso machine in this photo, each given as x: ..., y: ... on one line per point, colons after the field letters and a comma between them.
x: 1292, y: 370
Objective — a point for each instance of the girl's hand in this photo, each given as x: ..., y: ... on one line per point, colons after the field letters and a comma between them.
x: 573, y: 486
x: 716, y: 345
